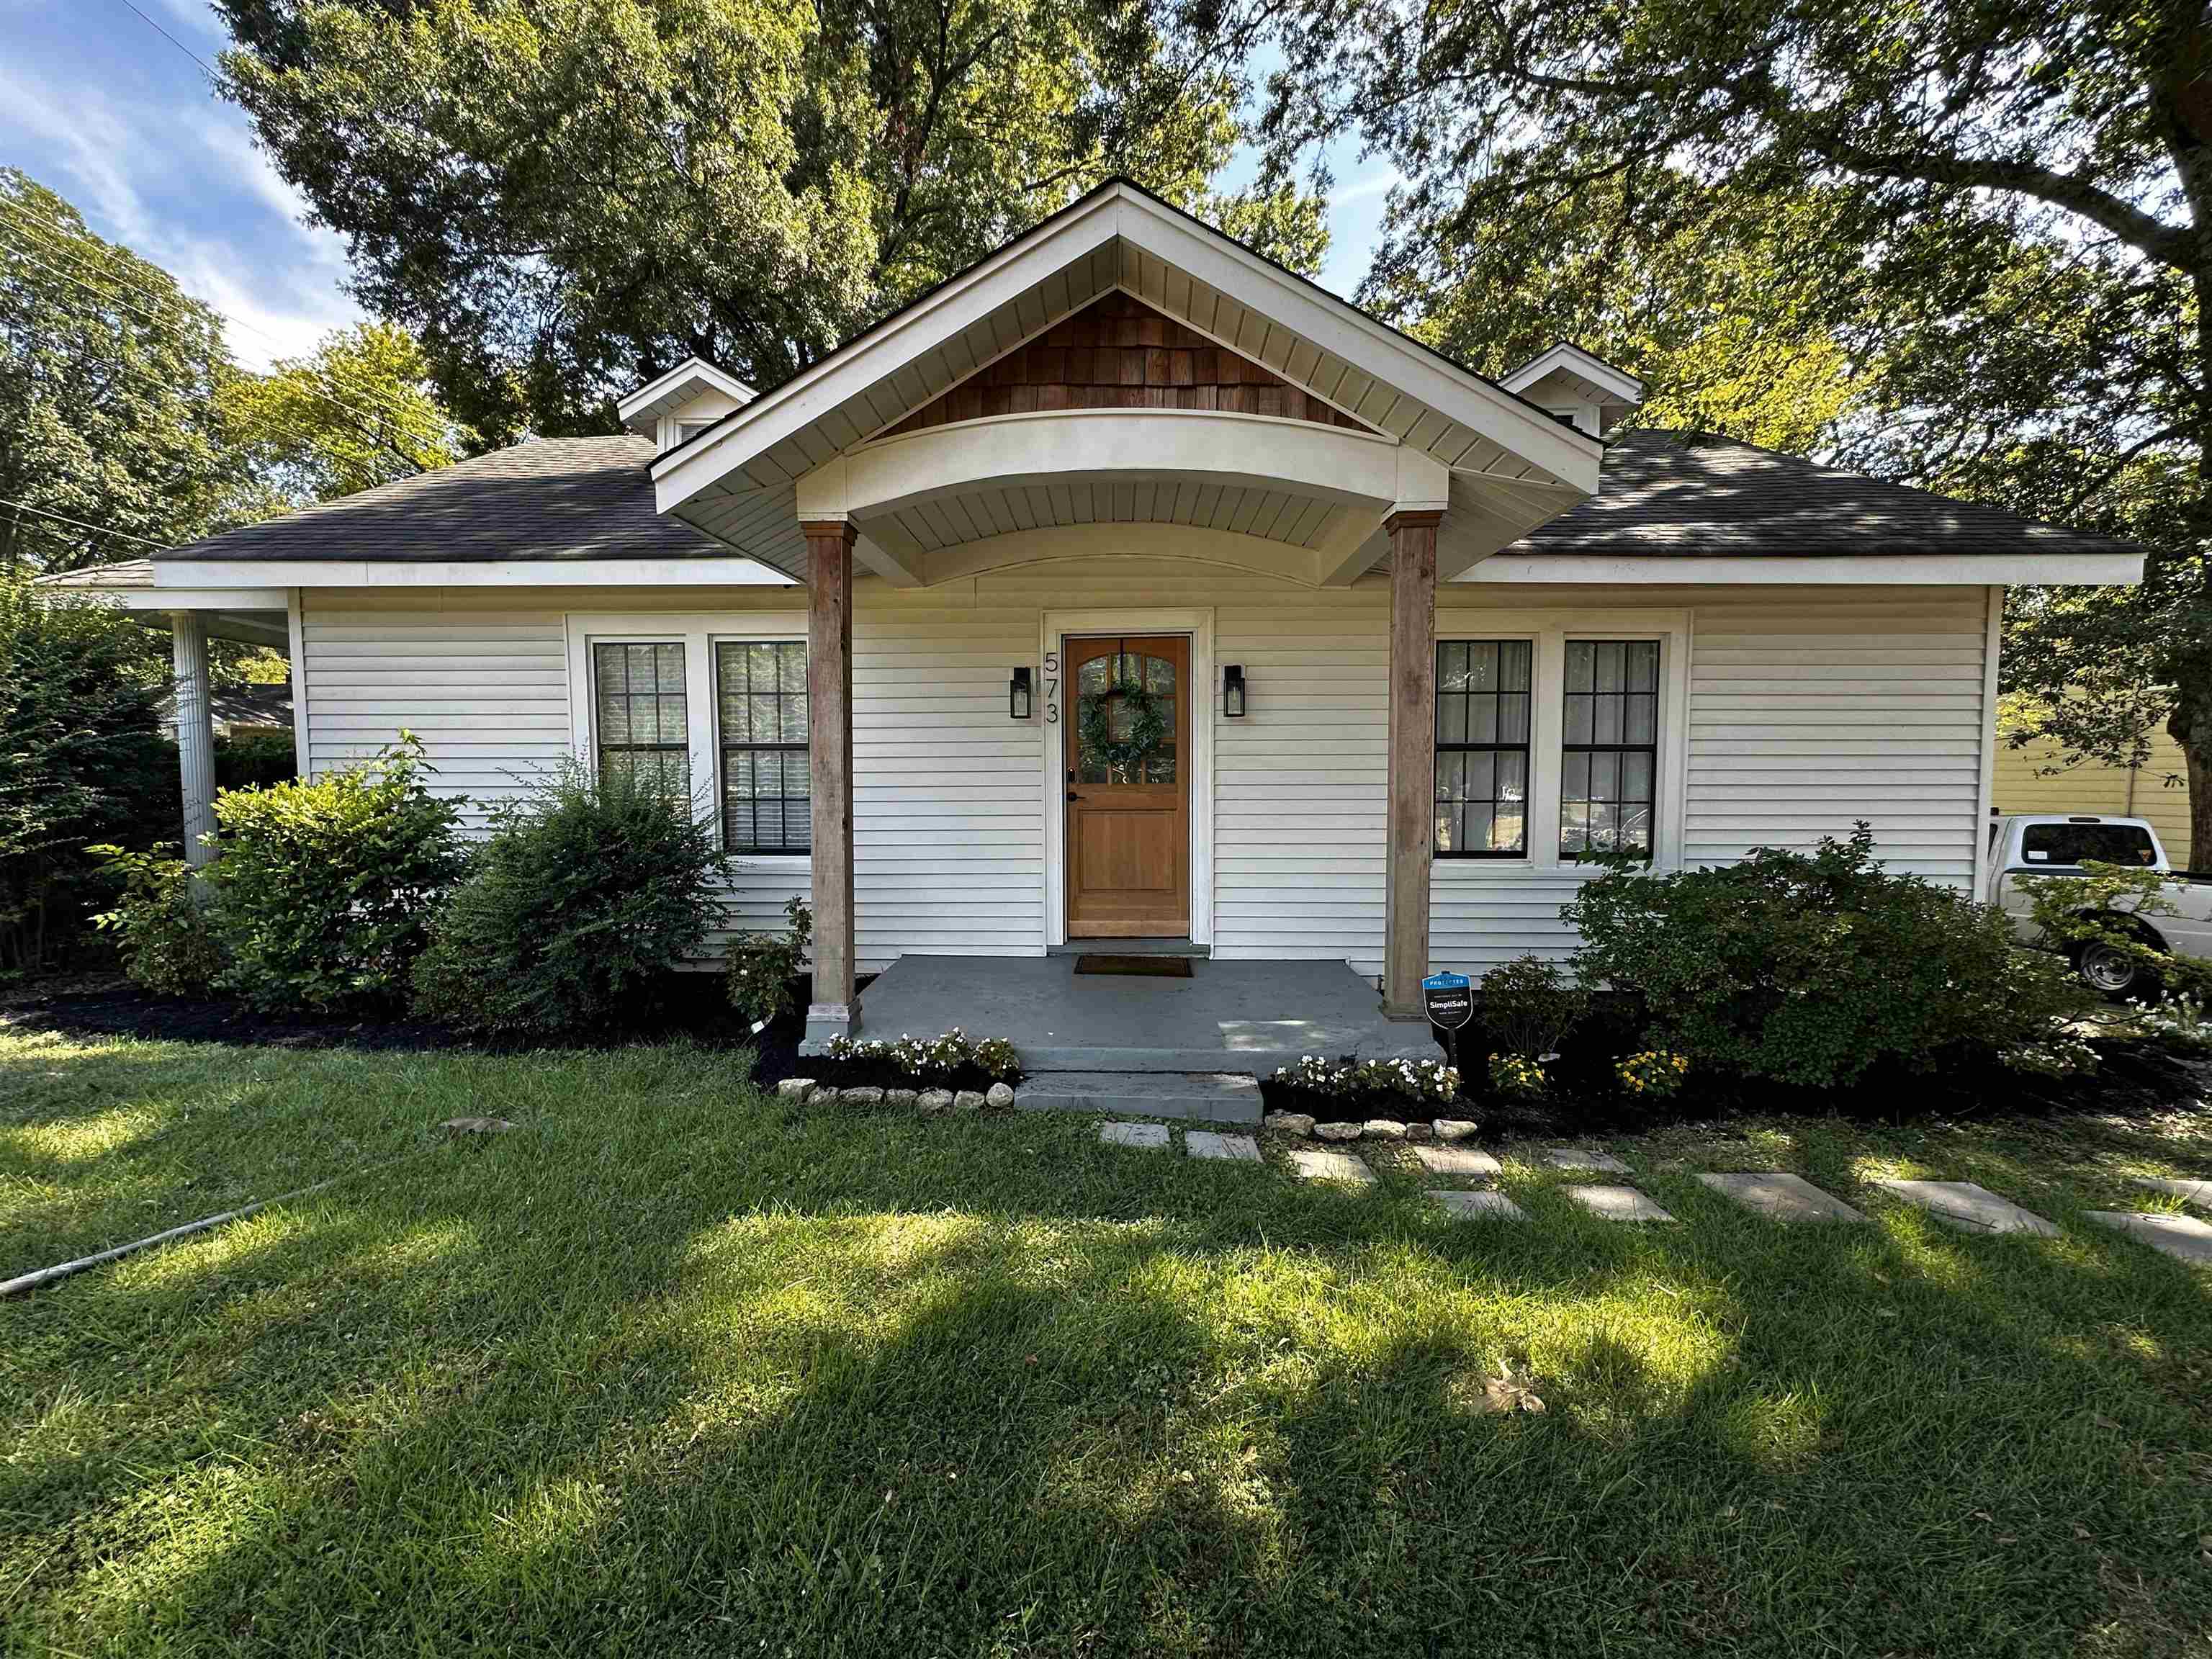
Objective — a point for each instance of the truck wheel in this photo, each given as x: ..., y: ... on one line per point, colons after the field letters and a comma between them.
x: 2111, y: 970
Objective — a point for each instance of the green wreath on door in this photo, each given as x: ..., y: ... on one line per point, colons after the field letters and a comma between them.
x: 1148, y: 729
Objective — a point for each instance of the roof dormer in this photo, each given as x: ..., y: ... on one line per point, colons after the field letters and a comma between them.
x: 1585, y: 391
x: 677, y: 407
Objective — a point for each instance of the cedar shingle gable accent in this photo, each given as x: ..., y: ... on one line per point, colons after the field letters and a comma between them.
x: 1119, y: 353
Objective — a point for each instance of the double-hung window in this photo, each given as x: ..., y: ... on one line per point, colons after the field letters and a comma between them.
x: 1609, y: 746
x: 643, y: 716
x: 720, y: 719
x: 761, y: 686
x: 1483, y: 688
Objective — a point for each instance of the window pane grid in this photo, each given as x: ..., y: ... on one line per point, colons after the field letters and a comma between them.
x: 644, y: 729
x: 1609, y: 761
x: 1482, y: 748
x: 766, y: 800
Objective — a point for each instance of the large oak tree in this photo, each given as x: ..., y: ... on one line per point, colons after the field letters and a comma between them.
x: 566, y: 197
x: 1964, y: 243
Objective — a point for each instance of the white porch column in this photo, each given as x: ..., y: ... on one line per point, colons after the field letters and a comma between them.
x: 195, y: 734
x: 829, y: 774
x: 1411, y: 823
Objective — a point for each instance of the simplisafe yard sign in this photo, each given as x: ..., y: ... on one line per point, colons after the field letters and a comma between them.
x: 1450, y: 999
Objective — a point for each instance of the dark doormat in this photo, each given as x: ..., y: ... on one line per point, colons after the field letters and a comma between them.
x: 1143, y: 966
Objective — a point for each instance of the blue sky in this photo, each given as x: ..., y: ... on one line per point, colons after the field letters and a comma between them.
x: 96, y: 105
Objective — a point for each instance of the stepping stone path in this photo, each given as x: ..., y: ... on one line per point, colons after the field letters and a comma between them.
x: 1458, y: 1161
x: 1969, y: 1208
x: 1618, y: 1204
x: 2198, y: 1193
x: 1487, y: 1203
x: 1782, y: 1197
x: 2182, y: 1237
x: 1233, y: 1149
x: 1147, y: 1137
x: 1313, y: 1163
x: 1574, y: 1158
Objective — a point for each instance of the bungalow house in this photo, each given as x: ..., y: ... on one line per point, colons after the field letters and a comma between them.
x: 1126, y: 587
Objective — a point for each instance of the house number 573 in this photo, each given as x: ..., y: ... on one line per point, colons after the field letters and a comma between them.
x: 1051, y: 688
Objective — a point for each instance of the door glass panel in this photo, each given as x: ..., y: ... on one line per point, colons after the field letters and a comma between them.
x: 1103, y: 689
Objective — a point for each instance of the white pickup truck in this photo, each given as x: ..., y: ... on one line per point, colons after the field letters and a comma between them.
x: 2030, y: 844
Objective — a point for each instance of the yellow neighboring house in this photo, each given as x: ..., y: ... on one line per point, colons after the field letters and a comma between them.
x: 2115, y: 790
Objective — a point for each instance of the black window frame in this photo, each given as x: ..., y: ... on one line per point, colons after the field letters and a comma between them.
x: 1619, y: 748
x: 602, y: 747
x: 1493, y: 748
x: 749, y: 745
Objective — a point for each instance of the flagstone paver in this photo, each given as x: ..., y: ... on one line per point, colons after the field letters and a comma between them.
x: 1458, y: 1161
x: 1618, y: 1203
x: 1485, y: 1202
x: 1146, y: 1137
x: 1576, y: 1158
x: 2198, y: 1193
x: 2182, y: 1237
x: 1235, y: 1149
x: 1970, y: 1208
x: 1317, y: 1163
x: 1782, y: 1197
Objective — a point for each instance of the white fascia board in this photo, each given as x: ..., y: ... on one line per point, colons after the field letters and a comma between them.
x: 1345, y: 331
x: 1616, y: 383
x: 1902, y: 570
x: 217, y: 575
x: 212, y: 597
x: 643, y: 407
x: 929, y: 322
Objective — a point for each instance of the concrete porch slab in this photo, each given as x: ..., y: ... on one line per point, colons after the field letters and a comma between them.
x: 1227, y: 1017
x: 1211, y: 1097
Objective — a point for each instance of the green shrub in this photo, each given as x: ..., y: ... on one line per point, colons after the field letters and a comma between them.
x: 1527, y: 1007
x: 763, y: 966
x: 2102, y: 908
x: 582, y: 899
x: 163, y: 932
x: 1809, y: 969
x: 323, y: 891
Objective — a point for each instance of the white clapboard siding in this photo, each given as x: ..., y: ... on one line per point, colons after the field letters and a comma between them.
x: 1809, y: 713
x: 1809, y: 708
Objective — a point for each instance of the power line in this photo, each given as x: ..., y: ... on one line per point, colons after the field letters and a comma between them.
x: 172, y: 39
x: 64, y: 518
x: 49, y: 234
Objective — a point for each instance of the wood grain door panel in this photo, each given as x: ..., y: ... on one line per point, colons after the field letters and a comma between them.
x: 1128, y: 830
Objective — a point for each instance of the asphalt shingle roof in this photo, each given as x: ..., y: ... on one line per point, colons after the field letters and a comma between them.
x: 554, y: 498
x: 1660, y: 492
x: 1692, y: 493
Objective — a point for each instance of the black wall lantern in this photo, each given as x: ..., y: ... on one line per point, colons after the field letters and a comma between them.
x: 1232, y: 691
x: 1017, y: 695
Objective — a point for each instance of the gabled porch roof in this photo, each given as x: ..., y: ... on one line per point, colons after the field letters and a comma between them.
x: 1500, y: 464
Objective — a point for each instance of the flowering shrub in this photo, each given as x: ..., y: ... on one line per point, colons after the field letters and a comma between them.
x: 1654, y: 1074
x: 928, y: 1059
x: 1516, y: 1075
x: 2177, y: 1018
x: 1414, y: 1079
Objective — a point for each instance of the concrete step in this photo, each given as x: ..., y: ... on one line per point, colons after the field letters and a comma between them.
x: 1207, y: 1096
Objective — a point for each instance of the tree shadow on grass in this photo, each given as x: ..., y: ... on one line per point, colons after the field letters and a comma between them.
x: 699, y: 1376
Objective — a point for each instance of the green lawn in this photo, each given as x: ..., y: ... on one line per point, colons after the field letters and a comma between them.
x: 676, y: 1368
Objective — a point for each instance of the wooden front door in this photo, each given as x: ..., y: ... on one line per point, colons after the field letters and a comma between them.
x: 1128, y: 788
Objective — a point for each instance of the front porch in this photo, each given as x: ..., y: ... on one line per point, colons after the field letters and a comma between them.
x: 1227, y: 1018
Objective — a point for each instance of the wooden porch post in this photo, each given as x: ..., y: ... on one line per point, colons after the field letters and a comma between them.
x: 1412, y: 757
x: 829, y: 772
